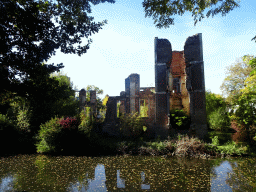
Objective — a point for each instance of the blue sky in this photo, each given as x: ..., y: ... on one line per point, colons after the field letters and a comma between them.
x: 126, y: 45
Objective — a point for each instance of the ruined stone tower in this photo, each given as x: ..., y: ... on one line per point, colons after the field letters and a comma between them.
x: 179, y: 84
x: 193, y: 53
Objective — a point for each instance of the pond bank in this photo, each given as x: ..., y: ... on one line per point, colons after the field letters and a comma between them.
x: 180, y: 146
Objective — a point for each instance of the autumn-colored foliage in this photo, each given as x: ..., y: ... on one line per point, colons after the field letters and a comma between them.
x: 69, y: 123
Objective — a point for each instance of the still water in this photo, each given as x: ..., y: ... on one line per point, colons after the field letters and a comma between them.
x: 125, y: 173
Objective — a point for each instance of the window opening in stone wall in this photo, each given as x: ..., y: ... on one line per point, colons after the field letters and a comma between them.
x: 143, y: 108
x: 118, y: 114
x: 87, y: 111
x: 176, y: 85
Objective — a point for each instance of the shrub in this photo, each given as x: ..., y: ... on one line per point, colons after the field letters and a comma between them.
x: 23, y: 118
x: 179, y: 119
x: 47, y: 136
x: 219, y: 120
x: 86, y: 123
x: 64, y: 135
x: 69, y: 123
x: 215, y: 141
x: 131, y: 125
x: 222, y: 136
x: 5, y: 123
x: 160, y: 146
x: 13, y: 139
x: 231, y: 148
x: 189, y: 147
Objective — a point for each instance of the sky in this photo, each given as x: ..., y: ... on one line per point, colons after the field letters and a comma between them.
x: 126, y: 45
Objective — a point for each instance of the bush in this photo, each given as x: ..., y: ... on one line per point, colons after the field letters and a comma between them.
x: 5, y: 123
x: 86, y: 123
x: 131, y: 125
x: 229, y: 148
x: 23, y: 119
x: 64, y: 135
x: 222, y: 136
x: 47, y: 136
x: 187, y: 146
x: 219, y: 120
x: 13, y: 139
x: 179, y: 119
x: 69, y: 123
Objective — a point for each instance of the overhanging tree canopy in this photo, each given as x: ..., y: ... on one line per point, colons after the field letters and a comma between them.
x: 32, y: 30
x: 162, y: 11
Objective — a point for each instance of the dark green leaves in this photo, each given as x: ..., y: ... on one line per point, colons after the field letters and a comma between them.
x: 161, y: 11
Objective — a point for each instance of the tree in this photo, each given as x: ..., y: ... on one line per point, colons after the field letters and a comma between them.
x: 105, y: 100
x: 32, y: 30
x: 217, y: 113
x: 99, y: 91
x: 246, y: 101
x: 163, y: 10
x: 50, y: 97
x: 214, y: 102
x: 94, y: 88
x: 236, y: 73
x: 67, y: 105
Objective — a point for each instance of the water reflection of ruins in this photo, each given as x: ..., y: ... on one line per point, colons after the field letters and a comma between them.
x: 144, y: 174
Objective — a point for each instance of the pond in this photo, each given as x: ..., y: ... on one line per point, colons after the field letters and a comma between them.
x: 125, y: 173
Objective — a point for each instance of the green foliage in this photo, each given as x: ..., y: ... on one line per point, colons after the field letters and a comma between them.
x: 105, y: 100
x: 162, y: 11
x: 179, y: 119
x: 99, y: 102
x: 160, y: 146
x: 144, y: 110
x: 34, y: 30
x: 131, y: 125
x: 13, y: 139
x: 236, y: 74
x: 223, y: 137
x: 216, y: 109
x: 66, y: 136
x: 86, y: 124
x: 47, y: 136
x: 214, y: 102
x: 5, y: 123
x: 94, y: 88
x: 244, y: 103
x: 35, y: 108
x: 23, y: 119
x: 19, y: 113
x: 219, y: 120
x: 118, y: 110
x: 58, y: 99
x: 215, y: 141
x: 229, y: 148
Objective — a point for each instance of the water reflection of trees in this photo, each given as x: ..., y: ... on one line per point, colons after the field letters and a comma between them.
x: 125, y: 173
x: 243, y: 178
x: 43, y: 173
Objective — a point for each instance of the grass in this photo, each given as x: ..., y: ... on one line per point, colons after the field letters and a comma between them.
x: 181, y: 145
x: 229, y: 148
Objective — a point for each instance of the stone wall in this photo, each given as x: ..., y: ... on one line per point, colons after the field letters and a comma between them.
x: 193, y: 53
x: 179, y: 97
x: 179, y: 84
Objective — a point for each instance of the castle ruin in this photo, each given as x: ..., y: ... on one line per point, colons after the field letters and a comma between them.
x: 179, y: 84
